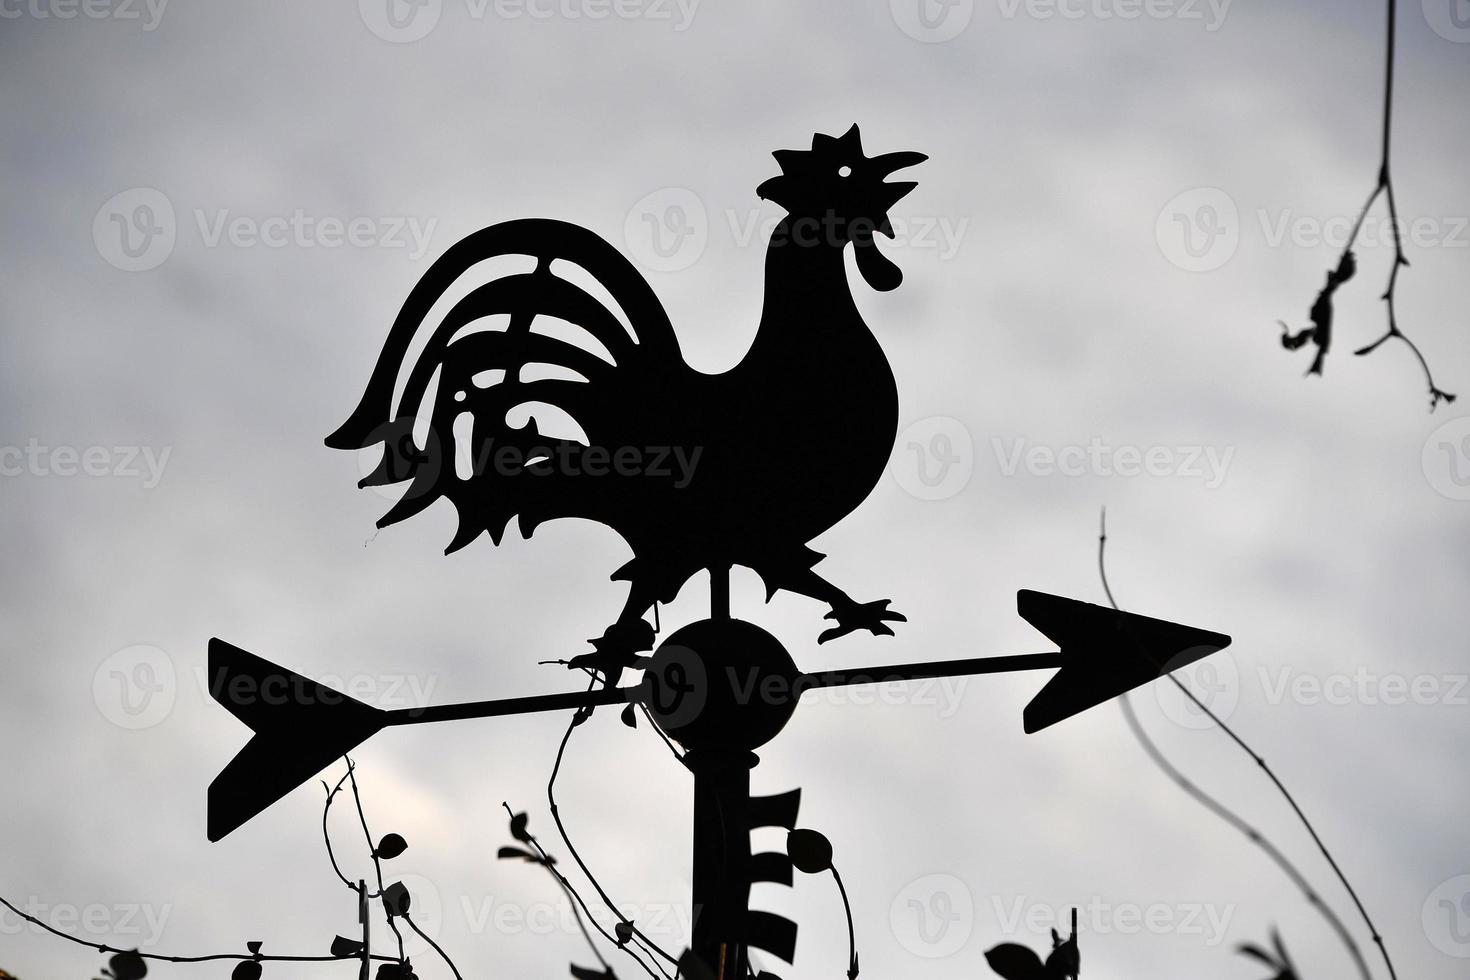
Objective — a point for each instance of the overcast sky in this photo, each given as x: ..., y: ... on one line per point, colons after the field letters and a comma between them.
x: 1121, y: 201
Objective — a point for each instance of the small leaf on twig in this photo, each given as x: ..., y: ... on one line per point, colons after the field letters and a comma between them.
x: 246, y: 970
x: 390, y: 847
x: 396, y: 899
x: 810, y: 852
x: 1015, y: 962
x: 518, y: 828
x: 344, y: 947
x: 128, y: 966
x: 516, y: 854
x: 584, y: 973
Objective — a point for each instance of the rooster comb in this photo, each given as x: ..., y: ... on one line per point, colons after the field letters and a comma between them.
x: 830, y: 153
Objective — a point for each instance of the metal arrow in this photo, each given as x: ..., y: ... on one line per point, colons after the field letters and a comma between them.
x: 301, y: 727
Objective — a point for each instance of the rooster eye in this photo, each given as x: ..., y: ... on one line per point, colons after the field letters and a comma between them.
x: 844, y: 171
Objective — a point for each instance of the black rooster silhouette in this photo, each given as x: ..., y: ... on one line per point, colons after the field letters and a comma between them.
x: 783, y: 445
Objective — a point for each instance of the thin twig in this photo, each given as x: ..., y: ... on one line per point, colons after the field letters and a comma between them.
x: 326, y: 835
x: 1255, y: 836
x: 1102, y: 541
x: 437, y: 948
x: 549, y: 863
x: 377, y: 862
x: 852, y: 955
x: 105, y: 948
x: 571, y: 849
x: 660, y: 732
x: 1385, y: 187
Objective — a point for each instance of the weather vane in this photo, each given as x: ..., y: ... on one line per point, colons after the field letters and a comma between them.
x: 509, y: 419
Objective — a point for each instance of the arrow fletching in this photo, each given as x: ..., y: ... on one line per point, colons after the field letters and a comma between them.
x: 1106, y: 653
x: 300, y: 727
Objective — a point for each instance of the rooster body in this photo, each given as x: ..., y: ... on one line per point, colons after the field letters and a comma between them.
x: 773, y: 452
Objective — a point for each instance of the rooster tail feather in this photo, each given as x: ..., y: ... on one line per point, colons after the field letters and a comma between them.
x: 518, y: 342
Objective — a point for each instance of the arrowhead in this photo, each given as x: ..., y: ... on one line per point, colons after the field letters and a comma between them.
x: 1107, y: 652
x: 300, y: 728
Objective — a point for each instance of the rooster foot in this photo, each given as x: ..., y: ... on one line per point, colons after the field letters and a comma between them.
x: 618, y: 647
x: 871, y: 616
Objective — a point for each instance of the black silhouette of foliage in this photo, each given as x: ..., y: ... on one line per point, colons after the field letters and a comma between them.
x: 1275, y: 958
x: 1320, y: 332
x: 126, y: 966
x: 534, y: 853
x: 1012, y: 961
x: 390, y: 847
x: 811, y: 854
x: 810, y: 851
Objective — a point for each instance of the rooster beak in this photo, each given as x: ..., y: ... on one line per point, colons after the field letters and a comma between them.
x: 887, y: 163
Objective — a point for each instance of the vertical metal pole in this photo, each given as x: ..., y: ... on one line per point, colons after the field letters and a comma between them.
x: 719, y: 592
x: 364, y: 915
x: 721, y: 858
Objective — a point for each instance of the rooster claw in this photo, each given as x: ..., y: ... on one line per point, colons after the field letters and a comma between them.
x: 618, y: 647
x: 871, y: 616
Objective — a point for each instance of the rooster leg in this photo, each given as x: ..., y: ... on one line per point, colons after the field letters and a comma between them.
x: 620, y: 645
x: 849, y: 614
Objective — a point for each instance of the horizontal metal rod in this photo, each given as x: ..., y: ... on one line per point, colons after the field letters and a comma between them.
x: 621, y: 695
x: 511, y: 706
x: 941, y: 668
